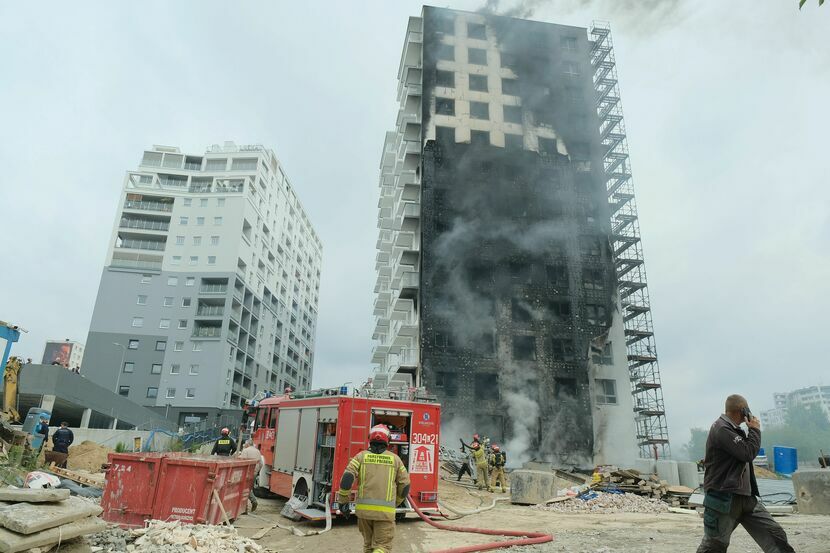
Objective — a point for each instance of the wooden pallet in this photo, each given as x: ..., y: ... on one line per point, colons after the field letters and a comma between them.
x: 74, y: 476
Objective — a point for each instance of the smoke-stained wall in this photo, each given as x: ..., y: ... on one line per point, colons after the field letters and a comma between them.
x: 518, y: 289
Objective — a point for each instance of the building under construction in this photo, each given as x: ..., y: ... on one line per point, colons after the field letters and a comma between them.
x: 510, y: 271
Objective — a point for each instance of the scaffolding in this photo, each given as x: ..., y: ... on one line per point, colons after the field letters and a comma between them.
x: 644, y: 370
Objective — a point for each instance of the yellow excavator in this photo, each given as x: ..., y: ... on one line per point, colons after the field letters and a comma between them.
x: 10, y: 379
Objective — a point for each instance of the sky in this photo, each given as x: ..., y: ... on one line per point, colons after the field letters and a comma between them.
x: 725, y: 108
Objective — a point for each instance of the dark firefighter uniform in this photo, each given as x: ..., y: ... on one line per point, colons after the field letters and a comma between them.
x: 383, y: 484
x: 497, y: 461
x: 224, y: 446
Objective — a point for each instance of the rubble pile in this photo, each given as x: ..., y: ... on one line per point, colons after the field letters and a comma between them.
x: 607, y: 503
x: 160, y: 536
x: 88, y: 456
x: 111, y: 540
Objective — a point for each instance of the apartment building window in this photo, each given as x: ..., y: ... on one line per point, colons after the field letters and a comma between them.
x: 445, y: 135
x: 478, y: 83
x: 194, y: 259
x: 152, y: 392
x: 175, y: 368
x: 512, y: 114
x: 244, y: 164
x: 444, y: 25
x: 190, y: 281
x: 480, y: 138
x: 509, y: 60
x: 562, y: 349
x: 220, y: 202
x: 477, y: 56
x: 445, y: 78
x: 216, y: 164
x: 568, y: 43
x: 161, y: 345
x: 171, y: 393
x: 123, y: 391
x: 479, y: 110
x: 141, y: 300
x: 178, y: 346
x: 187, y: 202
x: 182, y: 323
x: 197, y: 346
x: 146, y: 279
x: 180, y: 240
x: 606, y: 391
x: 194, y: 370
x: 211, y: 260
x: 595, y: 315
x: 510, y: 86
x: 564, y: 387
x: 477, y: 31
x: 155, y: 368
x: 138, y: 322
x: 214, y: 240
x: 448, y: 381
x: 513, y: 141
x: 445, y: 52
x: 129, y: 367
x: 176, y: 260
x: 197, y: 240
x: 164, y: 323
x: 168, y: 301
x: 524, y: 348
x: 604, y: 358
x: 444, y: 106
x: 571, y: 69
x: 151, y: 159
x: 203, y: 202
x: 200, y: 221
x: 217, y: 221
x: 172, y: 281
x: 186, y: 302
x: 190, y: 393
x: 132, y: 344
x: 521, y: 311
x: 547, y: 146
x: 183, y: 220
x: 486, y: 386
x: 590, y: 246
x: 593, y: 279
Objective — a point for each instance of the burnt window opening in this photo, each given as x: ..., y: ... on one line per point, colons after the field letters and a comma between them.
x: 524, y: 348
x: 520, y: 311
x: 480, y: 275
x: 606, y: 391
x: 514, y: 141
x: 571, y: 69
x: 596, y: 314
x: 444, y: 106
x: 485, y: 344
x: 520, y: 271
x: 593, y: 279
x: 590, y: 246
x: 605, y: 357
x: 568, y: 43
x: 557, y: 275
x: 477, y: 31
x: 562, y: 349
x: 478, y: 83
x: 479, y: 110
x: 577, y: 120
x: 574, y: 95
x: 510, y: 86
x: 512, y: 114
x: 579, y: 150
x: 509, y: 60
x: 481, y: 138
x: 477, y: 56
x: 445, y: 78
x: 445, y: 52
x: 486, y: 386
x: 443, y: 339
x: 560, y: 310
x: 547, y: 146
x: 564, y: 388
x: 445, y: 25
x: 442, y: 225
x: 448, y: 381
x: 445, y: 135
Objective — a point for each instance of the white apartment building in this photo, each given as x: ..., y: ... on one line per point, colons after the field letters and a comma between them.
x: 807, y: 397
x: 210, y: 290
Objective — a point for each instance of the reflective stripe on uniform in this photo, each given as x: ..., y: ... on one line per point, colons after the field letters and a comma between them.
x: 376, y: 508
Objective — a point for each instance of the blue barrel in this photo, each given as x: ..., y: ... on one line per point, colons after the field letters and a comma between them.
x: 761, y: 452
x: 786, y: 459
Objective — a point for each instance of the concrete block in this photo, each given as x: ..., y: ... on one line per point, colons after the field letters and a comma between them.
x: 11, y: 542
x: 33, y: 495
x: 689, y: 476
x: 812, y: 491
x: 28, y: 518
x: 531, y: 487
x: 645, y: 466
x: 667, y: 470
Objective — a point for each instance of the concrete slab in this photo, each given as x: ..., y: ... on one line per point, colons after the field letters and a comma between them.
x: 28, y: 518
x: 531, y: 487
x: 812, y: 491
x: 688, y: 474
x: 11, y: 542
x: 667, y: 470
x: 646, y: 466
x: 33, y: 496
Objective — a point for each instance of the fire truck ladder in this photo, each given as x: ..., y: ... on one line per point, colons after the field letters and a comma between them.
x: 643, y: 368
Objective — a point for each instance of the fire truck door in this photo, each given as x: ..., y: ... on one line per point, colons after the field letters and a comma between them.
x: 286, y: 446
x: 307, y: 442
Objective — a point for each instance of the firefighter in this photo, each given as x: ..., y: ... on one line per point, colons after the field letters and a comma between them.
x: 480, y: 456
x: 224, y: 446
x: 498, y: 458
x: 383, y: 484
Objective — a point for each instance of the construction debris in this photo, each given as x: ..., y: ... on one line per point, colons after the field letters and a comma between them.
x: 633, y: 482
x: 28, y: 518
x: 607, y: 503
x: 88, y: 455
x: 111, y: 540
x: 33, y: 495
x: 159, y: 536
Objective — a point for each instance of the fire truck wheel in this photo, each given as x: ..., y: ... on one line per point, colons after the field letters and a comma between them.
x: 400, y: 516
x: 301, y: 488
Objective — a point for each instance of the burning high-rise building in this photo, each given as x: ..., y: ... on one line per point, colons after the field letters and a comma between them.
x: 510, y: 273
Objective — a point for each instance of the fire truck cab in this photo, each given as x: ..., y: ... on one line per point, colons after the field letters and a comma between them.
x: 308, y: 438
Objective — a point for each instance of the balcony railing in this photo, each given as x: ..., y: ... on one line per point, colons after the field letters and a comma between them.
x: 148, y: 206
x: 210, y: 310
x: 154, y: 245
x: 229, y: 185
x: 207, y: 332
x: 213, y: 288
x: 145, y: 225
x: 199, y: 188
x: 136, y: 264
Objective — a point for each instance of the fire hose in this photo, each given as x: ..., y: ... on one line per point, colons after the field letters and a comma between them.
x: 527, y: 538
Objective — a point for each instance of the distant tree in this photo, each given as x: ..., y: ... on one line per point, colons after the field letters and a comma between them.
x: 802, y: 2
x: 805, y: 428
x: 695, y: 449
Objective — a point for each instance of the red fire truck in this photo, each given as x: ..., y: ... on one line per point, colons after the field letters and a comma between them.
x: 307, y: 440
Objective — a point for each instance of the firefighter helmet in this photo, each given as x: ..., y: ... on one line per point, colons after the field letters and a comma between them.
x: 225, y: 431
x: 496, y: 448
x: 379, y: 433
x: 475, y: 445
x: 476, y: 438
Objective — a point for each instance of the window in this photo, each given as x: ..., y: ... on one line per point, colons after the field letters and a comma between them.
x: 216, y: 164
x: 194, y: 259
x: 590, y: 246
x: 123, y: 391
x: 480, y: 137
x: 477, y: 56
x: 510, y: 86
x: 182, y: 323
x: 475, y: 30
x: 211, y: 260
x: 217, y: 221
x: 171, y: 393
x: 187, y: 202
x: 568, y: 43
x: 155, y: 368
x: 444, y: 106
x: 445, y: 135
x: 138, y: 322
x: 197, y: 240
x: 520, y: 272
x: 521, y: 311
x: 176, y: 260
x: 592, y: 279
x: 164, y: 323
x: 244, y: 164
x: 203, y: 202
x: 161, y: 345
x: 509, y: 60
x: 146, y: 279
x: 557, y: 275
x: 524, y: 348
x: 562, y: 349
x: 214, y: 240
x: 175, y: 368
x: 564, y: 387
x: 445, y: 78
x: 200, y: 221
x: 197, y: 346
x: 152, y: 392
x: 443, y: 339
x: 514, y: 141
x: 486, y: 386
x: 178, y: 346
x: 571, y: 69
x: 190, y: 393
x: 547, y: 146
x: 478, y: 82
x: 513, y: 114
x: 479, y: 110
x: 194, y: 370
x: 595, y: 315
x: 186, y: 302
x: 445, y: 52
x: 220, y: 202
x: 183, y: 220
x: 129, y: 367
x: 172, y: 281
x: 132, y: 344
x: 448, y: 381
x: 180, y: 240
x: 606, y: 391
x: 190, y: 281
x: 168, y: 301
x: 444, y: 25
x: 606, y: 357
x: 142, y: 300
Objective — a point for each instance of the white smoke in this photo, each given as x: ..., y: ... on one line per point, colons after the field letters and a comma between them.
x: 524, y: 412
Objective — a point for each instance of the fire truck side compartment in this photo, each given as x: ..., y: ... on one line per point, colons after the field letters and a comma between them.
x: 286, y: 446
x: 307, y: 443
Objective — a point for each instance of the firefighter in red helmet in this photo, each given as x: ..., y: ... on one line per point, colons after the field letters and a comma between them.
x: 225, y: 445
x: 383, y: 485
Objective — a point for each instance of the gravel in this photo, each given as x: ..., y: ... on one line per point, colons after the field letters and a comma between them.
x: 608, y: 503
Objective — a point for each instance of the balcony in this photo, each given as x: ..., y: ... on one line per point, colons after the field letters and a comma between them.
x: 410, y: 279
x: 213, y: 289
x: 153, y: 245
x: 229, y: 185
x: 148, y: 206
x: 144, y: 224
x: 207, y: 332
x: 210, y: 311
x: 136, y: 264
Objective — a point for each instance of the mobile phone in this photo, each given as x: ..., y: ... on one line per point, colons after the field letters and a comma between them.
x: 747, y: 414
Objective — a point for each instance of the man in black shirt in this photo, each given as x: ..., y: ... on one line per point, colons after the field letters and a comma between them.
x: 730, y: 485
x: 224, y: 446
